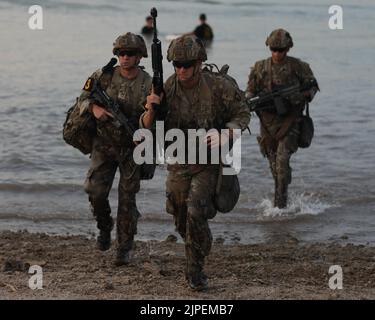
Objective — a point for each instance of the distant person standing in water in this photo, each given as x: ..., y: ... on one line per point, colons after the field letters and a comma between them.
x: 148, y: 29
x: 204, y: 31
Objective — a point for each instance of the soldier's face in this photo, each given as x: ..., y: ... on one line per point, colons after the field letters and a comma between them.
x: 279, y: 56
x: 128, y: 59
x: 185, y: 70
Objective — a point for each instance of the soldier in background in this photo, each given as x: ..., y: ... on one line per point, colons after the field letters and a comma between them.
x: 204, y: 31
x: 195, y: 99
x: 129, y: 85
x: 278, y: 138
x: 148, y: 28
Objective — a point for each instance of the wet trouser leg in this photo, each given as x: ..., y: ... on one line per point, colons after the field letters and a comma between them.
x: 271, y: 156
x: 98, y: 183
x: 127, y: 214
x: 190, y: 200
x: 177, y: 190
x: 200, y: 208
x: 285, y: 148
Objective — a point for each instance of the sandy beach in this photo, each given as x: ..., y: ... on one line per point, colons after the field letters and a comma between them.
x: 283, y: 269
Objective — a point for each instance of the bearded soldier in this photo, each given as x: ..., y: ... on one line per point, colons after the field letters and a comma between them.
x: 195, y: 100
x: 129, y: 85
x: 279, y: 134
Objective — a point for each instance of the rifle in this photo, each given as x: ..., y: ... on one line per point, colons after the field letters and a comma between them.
x: 275, y: 99
x: 157, y: 60
x: 100, y: 96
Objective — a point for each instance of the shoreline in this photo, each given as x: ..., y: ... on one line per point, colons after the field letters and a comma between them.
x: 74, y: 269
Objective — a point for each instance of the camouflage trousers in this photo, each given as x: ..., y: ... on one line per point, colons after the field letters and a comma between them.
x: 278, y: 155
x: 98, y: 184
x: 190, y: 191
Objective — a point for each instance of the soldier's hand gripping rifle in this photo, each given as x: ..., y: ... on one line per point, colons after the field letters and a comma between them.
x: 275, y: 99
x: 157, y: 60
x: 101, y: 98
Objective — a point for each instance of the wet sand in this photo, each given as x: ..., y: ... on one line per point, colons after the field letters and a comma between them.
x: 284, y: 269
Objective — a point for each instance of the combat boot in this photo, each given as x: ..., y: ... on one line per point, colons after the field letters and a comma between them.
x: 122, y: 258
x: 197, y: 281
x: 195, y: 276
x: 103, y: 241
x: 105, y: 226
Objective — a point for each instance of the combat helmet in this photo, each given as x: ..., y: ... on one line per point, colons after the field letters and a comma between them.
x: 279, y: 38
x: 130, y: 41
x: 186, y: 48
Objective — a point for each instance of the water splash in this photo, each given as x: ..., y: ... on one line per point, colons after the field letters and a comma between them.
x: 299, y: 204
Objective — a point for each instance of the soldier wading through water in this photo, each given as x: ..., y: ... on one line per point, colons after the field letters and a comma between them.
x: 279, y: 134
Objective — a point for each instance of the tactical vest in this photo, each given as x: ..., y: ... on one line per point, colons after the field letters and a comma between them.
x: 131, y: 100
x: 263, y: 70
x: 273, y: 125
x: 79, y: 130
x: 205, y: 111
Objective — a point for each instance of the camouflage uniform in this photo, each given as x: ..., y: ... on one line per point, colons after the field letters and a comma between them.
x: 278, y: 139
x: 108, y: 144
x: 214, y: 103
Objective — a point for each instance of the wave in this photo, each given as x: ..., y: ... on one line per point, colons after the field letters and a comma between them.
x: 38, y: 187
x: 75, y: 216
x: 360, y: 200
x: 158, y: 218
x: 45, y: 217
x: 67, y: 5
x: 299, y: 205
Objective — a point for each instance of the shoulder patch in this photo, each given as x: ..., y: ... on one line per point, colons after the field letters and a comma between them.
x: 88, y: 84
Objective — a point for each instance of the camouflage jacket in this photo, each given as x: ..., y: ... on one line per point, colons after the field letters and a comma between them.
x: 265, y: 76
x: 214, y: 103
x: 131, y: 96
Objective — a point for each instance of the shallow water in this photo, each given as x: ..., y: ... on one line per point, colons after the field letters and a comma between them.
x: 332, y: 193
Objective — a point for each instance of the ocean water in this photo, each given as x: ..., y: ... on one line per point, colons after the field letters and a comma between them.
x: 332, y: 196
